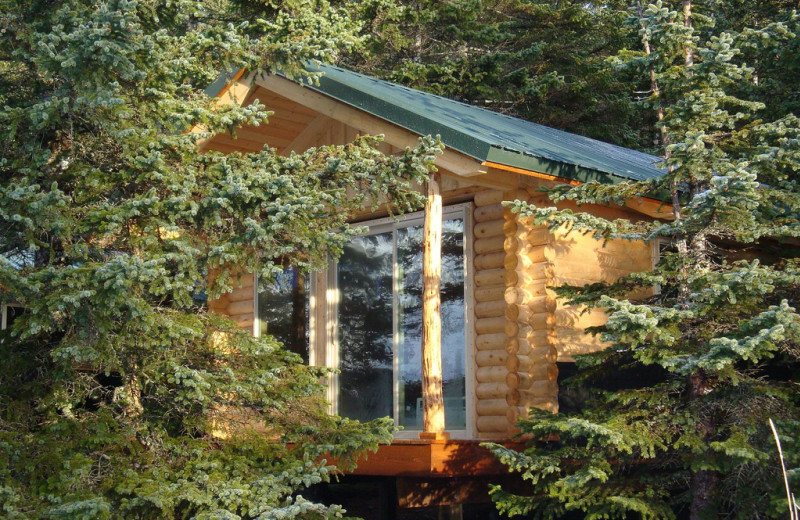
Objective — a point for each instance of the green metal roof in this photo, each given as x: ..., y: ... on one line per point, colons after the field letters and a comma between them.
x: 220, y: 83
x: 486, y: 135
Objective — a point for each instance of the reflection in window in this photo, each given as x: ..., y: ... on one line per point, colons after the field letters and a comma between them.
x: 283, y: 310
x: 364, y: 278
x: 376, y: 273
x: 409, y: 259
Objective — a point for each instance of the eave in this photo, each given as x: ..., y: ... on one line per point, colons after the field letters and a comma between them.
x: 466, y: 155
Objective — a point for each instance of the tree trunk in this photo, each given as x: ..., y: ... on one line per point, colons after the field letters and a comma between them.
x: 680, y: 244
x: 704, y: 481
x: 654, y: 88
x: 132, y: 392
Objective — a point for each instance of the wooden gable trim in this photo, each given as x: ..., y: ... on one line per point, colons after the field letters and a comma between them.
x: 453, y: 161
x: 235, y: 92
x: 530, y: 173
x: 231, y: 83
x: 651, y: 207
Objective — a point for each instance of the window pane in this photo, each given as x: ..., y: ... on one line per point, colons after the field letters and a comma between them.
x: 409, y: 259
x: 365, y: 328
x: 409, y: 267
x: 283, y: 310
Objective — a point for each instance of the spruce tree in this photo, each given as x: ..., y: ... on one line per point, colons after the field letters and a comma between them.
x: 716, y: 348
x: 539, y: 60
x: 121, y: 396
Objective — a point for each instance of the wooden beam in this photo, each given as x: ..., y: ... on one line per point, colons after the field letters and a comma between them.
x: 432, y: 398
x: 308, y: 136
x: 395, y: 135
x: 425, y: 458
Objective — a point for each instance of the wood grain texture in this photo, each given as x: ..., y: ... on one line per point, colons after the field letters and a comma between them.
x: 490, y: 244
x: 432, y: 398
x: 490, y: 212
x: 490, y: 293
x: 493, y: 424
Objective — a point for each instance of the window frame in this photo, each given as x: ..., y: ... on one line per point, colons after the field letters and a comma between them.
x: 4, y: 313
x: 323, y: 316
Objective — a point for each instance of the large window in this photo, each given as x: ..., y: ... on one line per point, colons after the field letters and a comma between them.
x: 379, y: 314
x: 364, y: 317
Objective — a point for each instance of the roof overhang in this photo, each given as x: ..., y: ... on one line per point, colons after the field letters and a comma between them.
x: 465, y: 156
x: 455, y: 162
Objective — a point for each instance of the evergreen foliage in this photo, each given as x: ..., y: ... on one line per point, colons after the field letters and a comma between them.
x: 720, y: 339
x: 552, y: 61
x: 120, y: 395
x: 539, y: 60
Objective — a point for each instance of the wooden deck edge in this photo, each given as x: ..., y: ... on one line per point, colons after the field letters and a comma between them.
x: 433, y: 458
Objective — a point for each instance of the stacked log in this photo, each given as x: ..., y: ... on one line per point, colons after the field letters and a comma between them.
x: 515, y: 361
x: 238, y: 304
x: 531, y: 355
x: 490, y: 307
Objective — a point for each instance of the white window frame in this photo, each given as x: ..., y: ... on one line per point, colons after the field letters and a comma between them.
x: 383, y: 225
x: 323, y: 317
x: 4, y: 313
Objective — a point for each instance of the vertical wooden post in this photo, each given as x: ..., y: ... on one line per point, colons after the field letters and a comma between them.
x: 432, y: 399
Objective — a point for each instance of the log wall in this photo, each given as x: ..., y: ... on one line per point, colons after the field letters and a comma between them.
x: 239, y: 304
x: 532, y: 372
x: 521, y: 329
x: 515, y: 361
x: 580, y: 259
x: 490, y: 320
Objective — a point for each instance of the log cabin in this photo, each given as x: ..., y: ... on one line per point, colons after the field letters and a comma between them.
x: 444, y: 319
